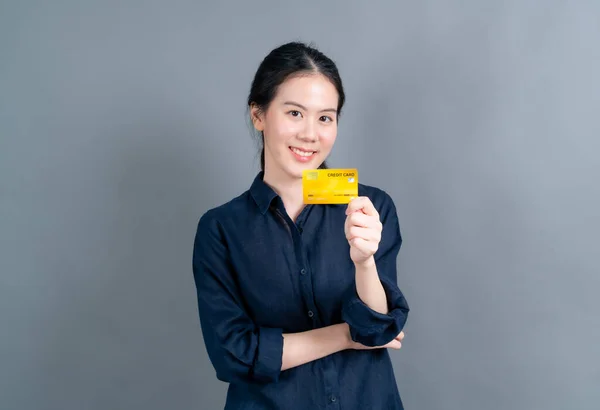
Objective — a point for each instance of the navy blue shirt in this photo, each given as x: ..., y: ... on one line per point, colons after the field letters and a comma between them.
x: 259, y: 275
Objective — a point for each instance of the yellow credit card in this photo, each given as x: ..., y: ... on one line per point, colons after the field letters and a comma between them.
x: 329, y: 186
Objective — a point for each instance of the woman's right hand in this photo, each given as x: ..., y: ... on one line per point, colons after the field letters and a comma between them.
x: 395, y: 344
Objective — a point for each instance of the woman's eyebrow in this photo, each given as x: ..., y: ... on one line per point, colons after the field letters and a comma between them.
x: 305, y: 109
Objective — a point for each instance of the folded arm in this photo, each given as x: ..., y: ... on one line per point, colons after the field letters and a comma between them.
x: 238, y: 348
x: 375, y: 308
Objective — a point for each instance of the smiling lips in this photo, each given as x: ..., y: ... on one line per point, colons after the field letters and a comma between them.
x: 302, y: 155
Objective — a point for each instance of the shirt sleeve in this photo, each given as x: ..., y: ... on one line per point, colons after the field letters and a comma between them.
x: 239, y: 350
x: 367, y: 326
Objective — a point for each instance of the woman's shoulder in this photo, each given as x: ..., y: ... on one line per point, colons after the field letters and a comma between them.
x: 234, y: 211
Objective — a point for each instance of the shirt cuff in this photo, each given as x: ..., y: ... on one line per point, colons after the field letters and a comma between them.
x: 372, y: 328
x: 270, y: 354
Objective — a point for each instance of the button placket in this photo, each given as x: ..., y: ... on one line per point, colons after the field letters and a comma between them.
x: 304, y: 269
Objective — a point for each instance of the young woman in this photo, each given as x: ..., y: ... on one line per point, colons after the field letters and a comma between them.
x: 299, y: 304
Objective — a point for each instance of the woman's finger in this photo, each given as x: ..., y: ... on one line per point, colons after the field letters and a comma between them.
x: 360, y: 219
x: 394, y: 344
x: 364, y: 246
x: 367, y: 234
x: 362, y: 203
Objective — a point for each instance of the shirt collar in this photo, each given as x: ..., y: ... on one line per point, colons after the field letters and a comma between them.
x: 262, y: 193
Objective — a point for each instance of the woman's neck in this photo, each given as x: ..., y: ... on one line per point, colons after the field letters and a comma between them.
x: 289, y: 190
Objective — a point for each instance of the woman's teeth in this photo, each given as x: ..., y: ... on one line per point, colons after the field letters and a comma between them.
x: 302, y: 153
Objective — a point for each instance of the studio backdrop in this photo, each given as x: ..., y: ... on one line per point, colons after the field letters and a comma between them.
x: 121, y: 123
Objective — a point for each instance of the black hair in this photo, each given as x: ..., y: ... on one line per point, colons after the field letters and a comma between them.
x: 282, y: 62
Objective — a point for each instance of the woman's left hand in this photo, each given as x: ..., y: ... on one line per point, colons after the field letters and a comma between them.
x: 362, y: 229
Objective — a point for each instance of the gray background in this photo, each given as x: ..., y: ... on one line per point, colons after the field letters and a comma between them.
x: 122, y: 122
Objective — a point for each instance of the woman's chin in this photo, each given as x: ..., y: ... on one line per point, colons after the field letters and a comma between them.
x: 297, y: 169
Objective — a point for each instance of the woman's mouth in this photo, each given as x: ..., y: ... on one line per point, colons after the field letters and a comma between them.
x: 302, y: 155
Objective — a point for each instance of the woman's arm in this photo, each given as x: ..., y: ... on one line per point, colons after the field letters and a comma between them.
x: 363, y: 231
x: 369, y: 287
x: 304, y: 347
x: 375, y: 308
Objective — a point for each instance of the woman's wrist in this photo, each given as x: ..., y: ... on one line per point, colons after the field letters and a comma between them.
x: 365, y: 265
x: 347, y: 341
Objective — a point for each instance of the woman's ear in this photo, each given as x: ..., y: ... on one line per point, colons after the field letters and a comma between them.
x: 257, y: 117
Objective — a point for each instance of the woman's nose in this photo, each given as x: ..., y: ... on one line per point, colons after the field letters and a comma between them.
x: 309, y: 133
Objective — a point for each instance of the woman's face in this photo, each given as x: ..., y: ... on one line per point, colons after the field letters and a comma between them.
x: 299, y: 126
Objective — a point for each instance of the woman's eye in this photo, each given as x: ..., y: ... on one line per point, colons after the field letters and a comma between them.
x: 326, y: 119
x: 295, y: 113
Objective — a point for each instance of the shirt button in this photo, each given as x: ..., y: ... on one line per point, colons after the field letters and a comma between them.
x: 302, y: 271
x: 300, y: 230
x: 310, y: 313
x: 332, y: 398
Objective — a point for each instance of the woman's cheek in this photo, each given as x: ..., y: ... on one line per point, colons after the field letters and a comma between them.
x: 328, y: 138
x: 289, y: 129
